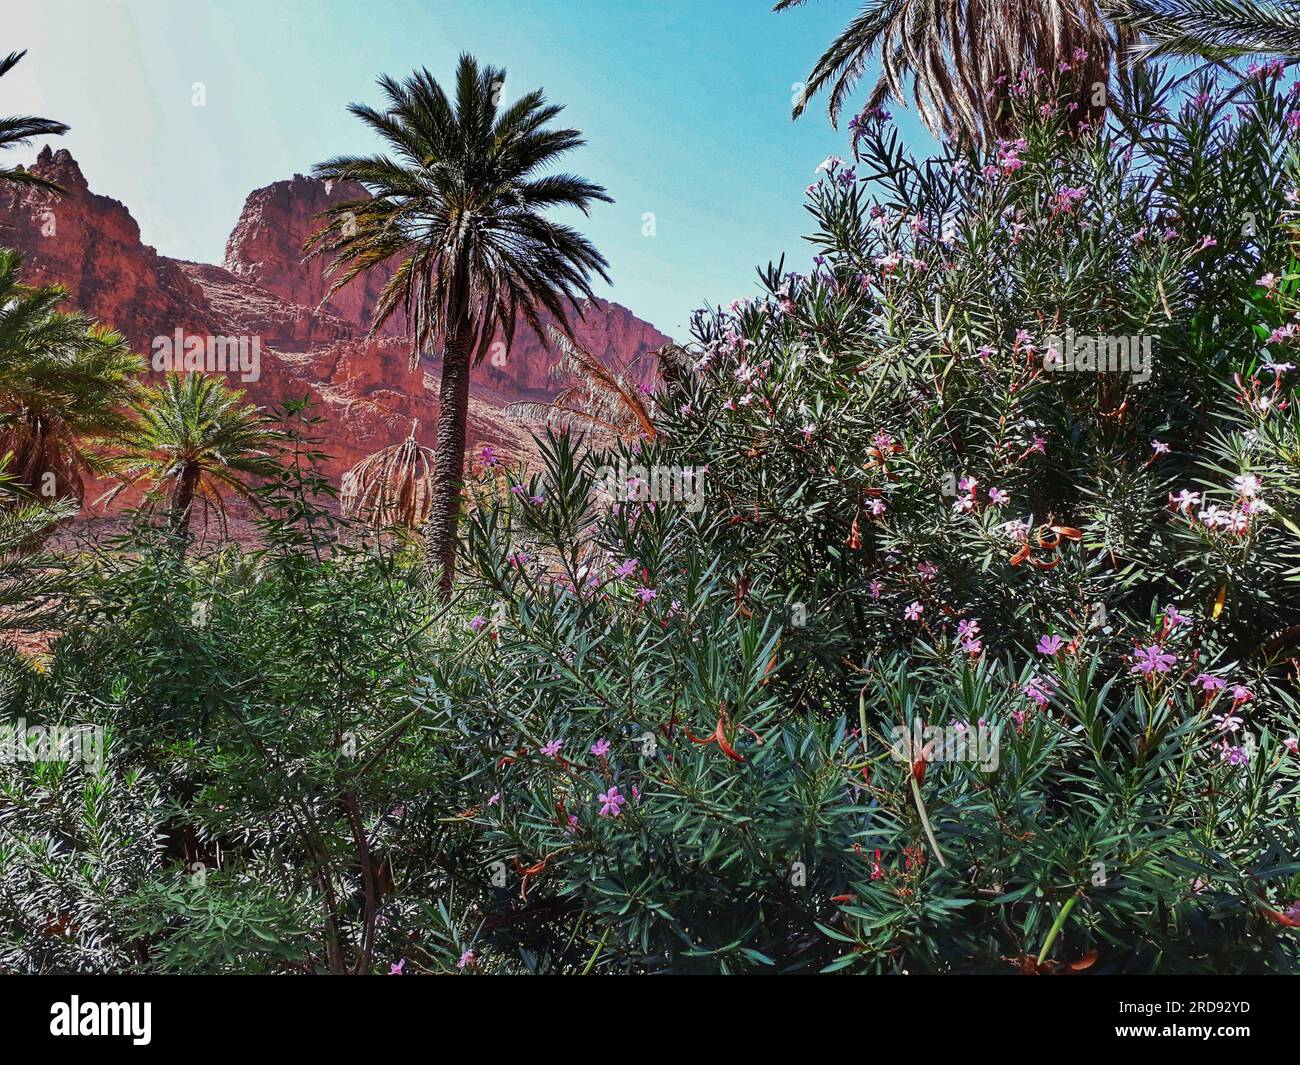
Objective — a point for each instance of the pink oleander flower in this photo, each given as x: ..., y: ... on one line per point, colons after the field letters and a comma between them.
x: 1049, y: 645
x: 928, y: 571
x: 1283, y: 333
x: 1241, y: 695
x: 1152, y: 660
x: 877, y: 507
x: 1173, y: 619
x: 1234, y: 755
x: 466, y: 960
x: 477, y: 623
x: 552, y: 748
x: 968, y: 628
x: 874, y: 589
x: 488, y: 455
x: 646, y: 594
x: 1207, y: 682
x: 1039, y: 444
x: 627, y: 568
x: 1185, y: 500
x: 1247, y: 484
x: 912, y: 612
x: 600, y: 748
x: 1068, y: 198
x: 973, y: 646
x: 399, y: 969
x: 1228, y: 722
x: 1292, y: 744
x: 611, y: 802
x: 1037, y: 689
x: 998, y: 497
x: 1159, y: 448
x: 495, y: 800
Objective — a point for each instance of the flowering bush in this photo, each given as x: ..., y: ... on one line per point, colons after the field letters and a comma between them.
x: 914, y: 642
x: 1030, y: 396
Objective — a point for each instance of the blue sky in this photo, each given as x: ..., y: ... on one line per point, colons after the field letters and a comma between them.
x: 685, y: 105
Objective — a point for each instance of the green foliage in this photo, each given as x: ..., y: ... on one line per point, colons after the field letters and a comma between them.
x: 664, y: 731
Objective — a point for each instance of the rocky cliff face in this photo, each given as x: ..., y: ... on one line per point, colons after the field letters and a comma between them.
x: 370, y: 395
x: 266, y: 249
x: 91, y: 245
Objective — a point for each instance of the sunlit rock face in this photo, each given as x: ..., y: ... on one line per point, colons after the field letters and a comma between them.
x: 369, y: 394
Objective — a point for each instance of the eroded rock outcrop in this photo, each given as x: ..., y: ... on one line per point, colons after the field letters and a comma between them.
x: 369, y: 393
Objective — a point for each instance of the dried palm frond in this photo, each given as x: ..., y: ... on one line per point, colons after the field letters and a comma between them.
x: 594, y: 396
x: 391, y: 487
x: 956, y: 51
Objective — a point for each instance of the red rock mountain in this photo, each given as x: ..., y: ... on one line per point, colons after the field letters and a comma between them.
x: 91, y: 245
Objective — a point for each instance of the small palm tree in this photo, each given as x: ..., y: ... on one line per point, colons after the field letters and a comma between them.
x: 461, y: 210
x: 195, y: 437
x: 18, y: 130
x: 391, y: 487
x: 1215, y: 29
x: 594, y: 396
x: 954, y: 52
x: 63, y: 380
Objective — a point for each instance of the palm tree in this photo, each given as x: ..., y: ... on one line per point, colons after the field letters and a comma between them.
x: 391, y: 487
x: 460, y: 210
x: 18, y: 130
x: 954, y: 52
x: 1215, y: 29
x: 195, y: 436
x: 29, y: 583
x: 594, y: 396
x: 64, y: 379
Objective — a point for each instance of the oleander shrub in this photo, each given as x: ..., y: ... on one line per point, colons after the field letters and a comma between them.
x: 901, y: 648
x: 885, y: 433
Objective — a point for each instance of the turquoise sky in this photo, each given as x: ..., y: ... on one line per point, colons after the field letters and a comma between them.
x: 685, y: 105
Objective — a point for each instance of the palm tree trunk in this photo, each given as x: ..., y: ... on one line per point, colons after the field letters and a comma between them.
x: 449, y: 463
x: 181, y: 505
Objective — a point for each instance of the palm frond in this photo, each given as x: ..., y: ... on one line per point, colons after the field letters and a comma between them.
x: 19, y: 130
x: 391, y: 487
x: 1212, y: 29
x: 603, y: 397
x: 961, y: 56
